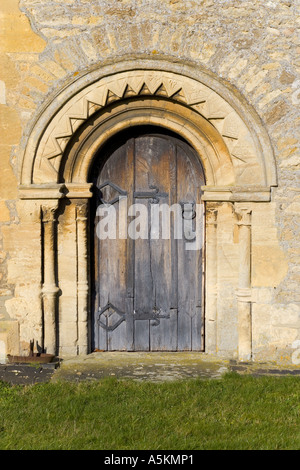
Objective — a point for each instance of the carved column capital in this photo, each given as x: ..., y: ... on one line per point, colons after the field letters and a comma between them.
x: 243, y: 214
x: 211, y: 215
x: 81, y: 210
x: 49, y: 211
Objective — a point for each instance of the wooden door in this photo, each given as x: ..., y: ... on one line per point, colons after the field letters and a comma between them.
x: 148, y: 283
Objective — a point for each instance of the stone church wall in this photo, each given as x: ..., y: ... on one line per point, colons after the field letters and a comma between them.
x: 251, y: 46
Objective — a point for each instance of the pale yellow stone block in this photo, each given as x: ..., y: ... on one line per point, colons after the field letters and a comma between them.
x: 89, y: 49
x: 2, y: 92
x: 54, y: 68
x: 87, y: 20
x: 207, y: 52
x: 22, y: 242
x: 4, y: 212
x: 8, y: 73
x: 275, y: 329
x: 9, y: 339
x: 10, y: 135
x: 237, y: 68
x: 269, y: 266
x: 64, y: 60
x: 294, y: 208
x: 255, y: 80
x: 26, y: 103
x: 288, y: 151
x: 8, y: 181
x: 42, y: 74
x: 16, y: 34
x: 269, y: 97
x: 249, y: 73
x: 262, y: 295
x: 10, y: 126
x: 291, y: 162
x: 37, y: 84
x: 286, y: 316
x: 283, y: 142
x: 96, y: 20
x: 262, y: 89
x: 60, y: 33
x: 271, y: 66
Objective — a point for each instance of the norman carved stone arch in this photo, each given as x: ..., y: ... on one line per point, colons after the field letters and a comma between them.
x: 228, y: 137
x: 247, y: 143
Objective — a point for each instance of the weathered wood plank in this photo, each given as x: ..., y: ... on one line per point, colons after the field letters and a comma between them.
x: 189, y: 179
x: 112, y: 255
x: 144, y: 284
x: 163, y: 331
x: 130, y: 255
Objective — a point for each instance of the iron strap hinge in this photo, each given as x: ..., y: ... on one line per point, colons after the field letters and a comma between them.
x: 154, y: 195
x: 155, y: 316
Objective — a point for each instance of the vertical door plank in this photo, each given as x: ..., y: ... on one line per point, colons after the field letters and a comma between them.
x: 129, y: 248
x: 144, y: 287
x: 163, y: 332
x: 112, y: 258
x: 189, y: 181
x: 154, y: 154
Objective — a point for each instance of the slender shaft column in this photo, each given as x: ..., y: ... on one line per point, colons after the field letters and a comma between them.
x: 211, y: 280
x: 50, y: 289
x: 244, y: 290
x: 82, y: 276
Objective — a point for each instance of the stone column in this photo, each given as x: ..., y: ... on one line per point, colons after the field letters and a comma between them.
x: 211, y: 279
x: 244, y: 289
x: 82, y: 276
x: 50, y: 289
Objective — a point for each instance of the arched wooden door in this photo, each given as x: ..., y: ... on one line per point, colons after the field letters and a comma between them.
x: 148, y: 283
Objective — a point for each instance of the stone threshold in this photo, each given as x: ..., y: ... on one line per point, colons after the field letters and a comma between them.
x: 259, y: 368
x: 23, y: 374
x: 30, y: 374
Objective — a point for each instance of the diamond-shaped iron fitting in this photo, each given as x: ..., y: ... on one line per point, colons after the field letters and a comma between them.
x: 120, y: 192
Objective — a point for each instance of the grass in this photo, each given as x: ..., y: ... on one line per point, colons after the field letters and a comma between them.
x: 234, y: 412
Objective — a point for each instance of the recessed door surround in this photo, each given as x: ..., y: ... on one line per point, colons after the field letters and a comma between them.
x: 234, y: 171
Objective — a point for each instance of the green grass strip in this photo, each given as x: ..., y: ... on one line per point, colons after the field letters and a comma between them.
x: 234, y: 412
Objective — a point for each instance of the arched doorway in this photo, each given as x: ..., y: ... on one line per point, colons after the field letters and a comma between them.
x: 148, y: 244
x: 56, y: 187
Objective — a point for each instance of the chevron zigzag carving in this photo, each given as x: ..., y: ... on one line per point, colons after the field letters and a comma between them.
x: 138, y: 83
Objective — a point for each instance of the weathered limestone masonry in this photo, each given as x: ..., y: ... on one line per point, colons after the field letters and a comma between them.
x: 223, y: 74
